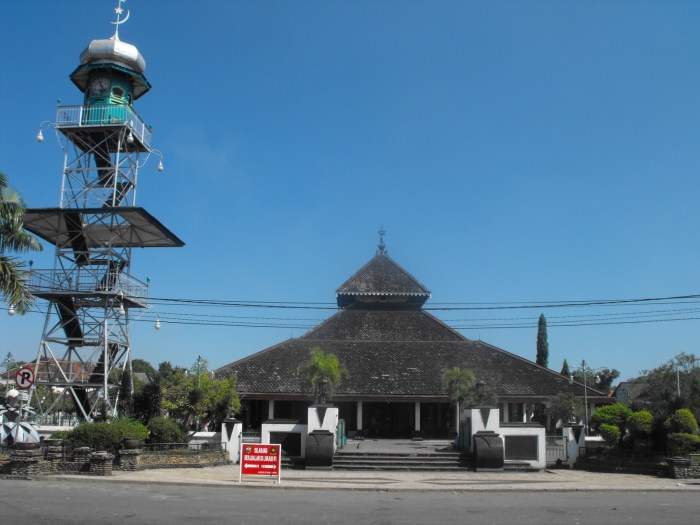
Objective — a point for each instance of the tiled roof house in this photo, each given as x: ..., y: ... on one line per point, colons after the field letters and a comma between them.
x: 395, y: 355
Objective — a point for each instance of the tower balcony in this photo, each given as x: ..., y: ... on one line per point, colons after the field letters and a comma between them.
x: 89, y: 286
x: 88, y: 118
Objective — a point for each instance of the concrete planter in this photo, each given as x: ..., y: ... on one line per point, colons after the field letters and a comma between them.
x: 131, y: 443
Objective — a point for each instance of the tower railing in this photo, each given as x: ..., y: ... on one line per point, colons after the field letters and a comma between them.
x: 107, y: 115
x: 88, y: 282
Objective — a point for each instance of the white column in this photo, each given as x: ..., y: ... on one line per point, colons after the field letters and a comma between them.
x: 359, y: 415
x: 457, y: 418
x: 271, y: 409
x: 525, y: 410
x: 417, y: 416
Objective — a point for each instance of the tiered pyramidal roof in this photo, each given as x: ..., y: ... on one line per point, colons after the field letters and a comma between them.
x: 392, y: 349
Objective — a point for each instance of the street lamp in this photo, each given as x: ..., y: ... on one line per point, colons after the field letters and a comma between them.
x: 584, y: 368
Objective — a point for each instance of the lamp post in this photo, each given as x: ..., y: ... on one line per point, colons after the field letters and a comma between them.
x: 584, y: 369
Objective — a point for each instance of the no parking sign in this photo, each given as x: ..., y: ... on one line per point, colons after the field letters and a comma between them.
x: 24, y: 378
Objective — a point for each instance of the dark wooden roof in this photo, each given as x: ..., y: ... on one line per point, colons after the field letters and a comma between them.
x: 392, y: 349
x: 395, y: 354
x: 379, y: 280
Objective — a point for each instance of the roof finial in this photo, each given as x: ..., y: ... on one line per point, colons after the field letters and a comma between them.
x: 119, y: 12
x: 381, y: 248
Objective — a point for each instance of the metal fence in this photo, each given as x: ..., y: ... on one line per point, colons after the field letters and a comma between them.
x: 250, y: 437
x: 88, y: 281
x: 556, y: 449
x: 105, y: 115
x: 183, y: 448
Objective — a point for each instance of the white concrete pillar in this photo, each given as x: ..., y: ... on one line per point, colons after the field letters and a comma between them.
x: 417, y: 416
x: 526, y: 408
x: 457, y: 418
x: 359, y: 415
x: 231, y: 436
x: 271, y: 409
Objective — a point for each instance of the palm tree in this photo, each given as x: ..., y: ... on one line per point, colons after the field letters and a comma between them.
x: 323, y: 372
x: 460, y: 385
x: 13, y: 283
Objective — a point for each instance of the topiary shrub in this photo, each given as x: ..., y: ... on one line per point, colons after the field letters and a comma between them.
x: 640, y: 423
x: 610, y: 434
x: 613, y: 415
x: 682, y: 444
x: 164, y: 430
x: 107, y: 436
x: 681, y: 422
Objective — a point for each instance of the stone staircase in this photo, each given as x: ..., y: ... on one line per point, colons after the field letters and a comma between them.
x: 434, y: 461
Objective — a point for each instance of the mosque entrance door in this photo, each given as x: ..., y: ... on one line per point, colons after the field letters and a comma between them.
x: 388, y: 420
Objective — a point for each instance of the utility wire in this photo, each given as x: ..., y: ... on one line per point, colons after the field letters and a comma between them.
x: 583, y: 319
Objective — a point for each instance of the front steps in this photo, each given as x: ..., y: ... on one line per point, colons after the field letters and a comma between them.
x: 437, y: 461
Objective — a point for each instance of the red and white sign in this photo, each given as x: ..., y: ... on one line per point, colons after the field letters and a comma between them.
x: 24, y: 378
x: 260, y: 460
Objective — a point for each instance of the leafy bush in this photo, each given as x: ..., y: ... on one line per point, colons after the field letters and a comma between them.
x: 681, y: 422
x: 106, y: 436
x: 682, y: 444
x: 164, y: 430
x: 616, y: 414
x: 60, y: 434
x: 610, y: 433
x: 640, y: 423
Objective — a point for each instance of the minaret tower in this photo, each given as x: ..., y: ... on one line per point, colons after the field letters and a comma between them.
x: 90, y: 290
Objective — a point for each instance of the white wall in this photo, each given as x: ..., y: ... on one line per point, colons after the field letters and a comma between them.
x: 513, y: 429
x: 291, y: 428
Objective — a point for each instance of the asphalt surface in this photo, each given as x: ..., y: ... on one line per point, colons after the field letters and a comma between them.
x: 546, y: 480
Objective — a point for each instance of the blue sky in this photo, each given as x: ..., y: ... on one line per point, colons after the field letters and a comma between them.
x: 514, y: 151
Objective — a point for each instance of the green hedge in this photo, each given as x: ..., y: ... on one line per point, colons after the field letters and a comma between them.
x: 164, y: 430
x: 610, y: 433
x: 681, y: 422
x: 682, y: 444
x: 107, y: 436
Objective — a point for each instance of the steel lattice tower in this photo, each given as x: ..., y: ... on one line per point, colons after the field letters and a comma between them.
x: 90, y: 290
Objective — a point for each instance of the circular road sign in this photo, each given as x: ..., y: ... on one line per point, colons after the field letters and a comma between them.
x: 24, y: 378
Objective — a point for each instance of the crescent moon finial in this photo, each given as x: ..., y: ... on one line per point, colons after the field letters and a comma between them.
x: 119, y: 10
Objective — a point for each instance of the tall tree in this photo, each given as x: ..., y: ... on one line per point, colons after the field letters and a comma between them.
x: 663, y: 383
x: 542, y: 344
x: 141, y: 366
x: 13, y: 239
x: 125, y: 403
x: 148, y: 402
x: 600, y: 379
x: 565, y: 369
x: 323, y: 373
x: 460, y: 385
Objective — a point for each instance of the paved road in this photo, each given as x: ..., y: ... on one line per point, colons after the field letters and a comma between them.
x: 64, y: 501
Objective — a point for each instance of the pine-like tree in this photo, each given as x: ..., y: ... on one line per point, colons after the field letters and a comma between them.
x: 542, y: 344
x: 565, y: 369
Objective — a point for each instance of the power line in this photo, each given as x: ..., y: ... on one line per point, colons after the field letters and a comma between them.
x: 583, y: 319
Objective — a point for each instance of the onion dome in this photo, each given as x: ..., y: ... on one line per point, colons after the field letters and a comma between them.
x: 113, y: 51
x: 114, y: 54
